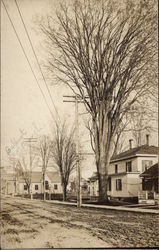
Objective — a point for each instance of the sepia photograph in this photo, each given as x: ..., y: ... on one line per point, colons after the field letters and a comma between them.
x: 79, y: 124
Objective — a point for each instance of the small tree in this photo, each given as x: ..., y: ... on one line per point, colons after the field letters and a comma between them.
x: 25, y: 165
x: 17, y: 172
x: 26, y: 173
x: 63, y: 152
x: 44, y: 148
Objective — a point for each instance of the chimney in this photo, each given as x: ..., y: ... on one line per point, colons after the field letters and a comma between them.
x: 130, y: 143
x: 147, y: 139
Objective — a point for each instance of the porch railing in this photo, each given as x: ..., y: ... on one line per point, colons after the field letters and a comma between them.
x: 147, y: 195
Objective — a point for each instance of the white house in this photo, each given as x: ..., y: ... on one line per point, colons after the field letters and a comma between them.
x: 52, y: 183
x: 124, y: 172
x: 125, y: 168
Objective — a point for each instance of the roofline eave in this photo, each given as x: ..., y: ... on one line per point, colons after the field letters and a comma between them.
x: 133, y: 156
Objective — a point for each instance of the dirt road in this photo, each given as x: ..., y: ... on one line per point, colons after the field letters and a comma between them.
x: 37, y: 224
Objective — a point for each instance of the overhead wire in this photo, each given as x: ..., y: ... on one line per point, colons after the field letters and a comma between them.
x: 36, y: 57
x: 27, y: 59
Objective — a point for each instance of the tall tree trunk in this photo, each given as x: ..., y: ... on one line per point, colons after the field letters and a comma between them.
x: 44, y: 193
x: 64, y: 185
x: 103, y: 151
x: 103, y: 176
x: 64, y: 192
x: 103, y: 181
x: 28, y: 188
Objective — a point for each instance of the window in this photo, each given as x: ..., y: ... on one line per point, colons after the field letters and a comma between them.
x: 25, y: 187
x: 118, y: 185
x: 36, y: 187
x: 146, y: 164
x: 129, y: 166
x: 55, y: 186
x: 116, y: 168
x: 46, y: 185
x: 109, y: 184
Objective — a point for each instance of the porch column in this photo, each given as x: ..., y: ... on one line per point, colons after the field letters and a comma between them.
x: 146, y: 195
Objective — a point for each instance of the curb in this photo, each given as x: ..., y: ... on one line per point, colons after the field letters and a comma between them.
x: 117, y: 208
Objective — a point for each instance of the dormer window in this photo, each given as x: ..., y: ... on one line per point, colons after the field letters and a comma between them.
x: 128, y: 166
x: 116, y: 168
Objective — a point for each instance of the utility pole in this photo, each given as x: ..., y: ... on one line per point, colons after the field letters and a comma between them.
x: 14, y: 163
x: 79, y: 193
x: 78, y: 169
x: 30, y: 140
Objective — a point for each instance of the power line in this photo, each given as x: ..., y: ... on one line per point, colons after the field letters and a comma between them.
x: 27, y: 60
x: 18, y: 8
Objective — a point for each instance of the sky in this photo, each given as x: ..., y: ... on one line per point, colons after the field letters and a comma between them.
x: 24, y: 112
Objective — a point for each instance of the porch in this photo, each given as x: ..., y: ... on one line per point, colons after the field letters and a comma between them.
x: 148, y: 197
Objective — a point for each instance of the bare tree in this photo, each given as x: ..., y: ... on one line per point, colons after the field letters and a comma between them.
x: 44, y: 149
x: 25, y: 172
x: 104, y: 56
x: 119, y: 140
x: 64, y: 154
x: 16, y: 172
x: 25, y: 165
x: 141, y: 120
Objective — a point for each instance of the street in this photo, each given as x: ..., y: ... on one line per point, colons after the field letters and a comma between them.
x: 38, y: 224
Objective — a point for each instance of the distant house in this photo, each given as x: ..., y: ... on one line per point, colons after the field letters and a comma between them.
x: 72, y: 187
x: 52, y: 183
x: 93, y: 185
x: 10, y: 184
x: 7, y: 183
x: 150, y: 185
x: 124, y: 172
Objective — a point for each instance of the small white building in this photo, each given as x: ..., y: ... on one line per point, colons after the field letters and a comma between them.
x: 52, y: 183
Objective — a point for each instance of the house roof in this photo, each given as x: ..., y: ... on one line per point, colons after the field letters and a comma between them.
x: 37, y: 177
x: 143, y: 150
x: 151, y: 172
x: 54, y: 176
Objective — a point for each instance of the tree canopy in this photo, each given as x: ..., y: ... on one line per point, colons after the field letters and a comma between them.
x: 106, y: 53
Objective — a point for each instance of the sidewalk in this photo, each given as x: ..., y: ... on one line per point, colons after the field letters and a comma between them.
x: 118, y: 208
